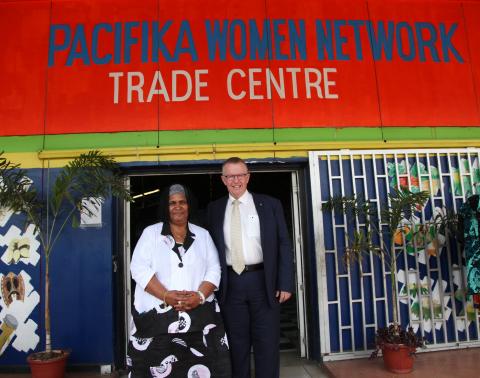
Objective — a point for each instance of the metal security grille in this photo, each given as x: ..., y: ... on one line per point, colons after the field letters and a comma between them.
x: 430, y: 280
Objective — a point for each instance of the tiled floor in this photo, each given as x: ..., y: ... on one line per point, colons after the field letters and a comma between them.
x: 464, y: 363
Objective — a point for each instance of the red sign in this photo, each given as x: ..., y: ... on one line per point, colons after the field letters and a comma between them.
x: 124, y: 65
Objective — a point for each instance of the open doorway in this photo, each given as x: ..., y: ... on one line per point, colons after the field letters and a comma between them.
x: 207, y: 186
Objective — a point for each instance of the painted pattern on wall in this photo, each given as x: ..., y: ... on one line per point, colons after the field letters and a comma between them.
x: 18, y: 298
x: 431, y: 305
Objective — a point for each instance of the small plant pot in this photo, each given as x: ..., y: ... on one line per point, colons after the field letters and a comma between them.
x: 398, y: 358
x: 44, y: 365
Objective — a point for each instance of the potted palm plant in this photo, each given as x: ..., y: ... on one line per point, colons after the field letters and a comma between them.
x: 379, y: 228
x: 78, y: 189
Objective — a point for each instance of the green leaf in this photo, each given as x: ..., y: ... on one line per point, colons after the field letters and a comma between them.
x: 75, y: 222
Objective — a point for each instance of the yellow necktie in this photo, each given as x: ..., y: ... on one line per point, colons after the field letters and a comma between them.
x: 236, y: 245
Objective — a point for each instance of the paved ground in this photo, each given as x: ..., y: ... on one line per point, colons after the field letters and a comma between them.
x: 291, y: 367
x: 462, y: 363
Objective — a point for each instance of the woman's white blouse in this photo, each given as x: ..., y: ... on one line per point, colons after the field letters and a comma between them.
x: 153, y: 255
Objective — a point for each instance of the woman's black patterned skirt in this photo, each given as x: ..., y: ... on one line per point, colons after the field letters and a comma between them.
x: 167, y: 343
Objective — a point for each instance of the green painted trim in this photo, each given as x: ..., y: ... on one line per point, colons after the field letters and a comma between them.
x: 208, y: 137
x: 455, y: 133
x: 21, y: 143
x: 100, y: 140
x: 151, y: 138
x: 424, y: 133
x: 389, y: 134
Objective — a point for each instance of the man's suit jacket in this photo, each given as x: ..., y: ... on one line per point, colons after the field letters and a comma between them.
x: 275, y: 241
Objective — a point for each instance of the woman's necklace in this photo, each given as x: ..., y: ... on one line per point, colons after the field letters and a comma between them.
x: 179, y: 236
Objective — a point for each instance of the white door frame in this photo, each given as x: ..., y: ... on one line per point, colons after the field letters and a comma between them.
x: 300, y: 271
x: 126, y: 270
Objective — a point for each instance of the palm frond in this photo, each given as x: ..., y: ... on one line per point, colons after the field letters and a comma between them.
x: 90, y: 175
x: 16, y: 190
x: 372, y: 227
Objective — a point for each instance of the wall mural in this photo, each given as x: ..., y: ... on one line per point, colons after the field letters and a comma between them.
x: 429, y: 298
x: 417, y: 177
x: 18, y: 298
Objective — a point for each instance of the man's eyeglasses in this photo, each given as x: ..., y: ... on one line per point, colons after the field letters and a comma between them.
x: 233, y: 177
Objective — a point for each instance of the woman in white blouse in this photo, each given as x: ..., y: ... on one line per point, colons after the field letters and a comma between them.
x: 177, y: 328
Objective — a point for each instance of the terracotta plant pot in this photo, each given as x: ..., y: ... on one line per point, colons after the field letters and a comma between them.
x: 44, y: 366
x: 398, y: 358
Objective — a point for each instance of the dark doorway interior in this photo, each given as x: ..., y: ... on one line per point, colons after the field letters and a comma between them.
x: 207, y: 187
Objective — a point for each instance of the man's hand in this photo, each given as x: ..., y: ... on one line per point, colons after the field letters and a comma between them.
x: 283, y: 296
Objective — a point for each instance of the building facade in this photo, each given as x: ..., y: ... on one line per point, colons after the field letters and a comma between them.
x: 320, y: 97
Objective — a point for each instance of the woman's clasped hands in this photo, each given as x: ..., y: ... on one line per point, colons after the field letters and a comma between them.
x: 182, y: 300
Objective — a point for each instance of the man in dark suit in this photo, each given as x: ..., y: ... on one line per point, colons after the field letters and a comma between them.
x: 256, y: 256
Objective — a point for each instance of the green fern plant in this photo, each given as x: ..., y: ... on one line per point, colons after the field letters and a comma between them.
x: 80, y: 186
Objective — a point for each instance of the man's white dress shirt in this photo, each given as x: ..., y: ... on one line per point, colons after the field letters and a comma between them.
x: 252, y: 248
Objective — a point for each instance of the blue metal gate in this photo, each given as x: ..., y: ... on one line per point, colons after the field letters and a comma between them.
x: 431, y: 281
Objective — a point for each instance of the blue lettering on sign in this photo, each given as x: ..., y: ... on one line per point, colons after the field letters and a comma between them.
x: 356, y: 34
x: 278, y: 39
x: 117, y: 43
x: 79, y: 49
x: 340, y: 40
x: 157, y: 42
x: 445, y: 38
x: 52, y: 47
x: 145, y: 40
x: 298, y: 40
x: 217, y: 39
x: 412, y: 51
x: 381, y: 40
x: 185, y: 32
x: 324, y: 39
x: 129, y: 40
x: 95, y: 57
x: 238, y: 33
x: 426, y: 39
x: 239, y: 39
x: 259, y: 44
